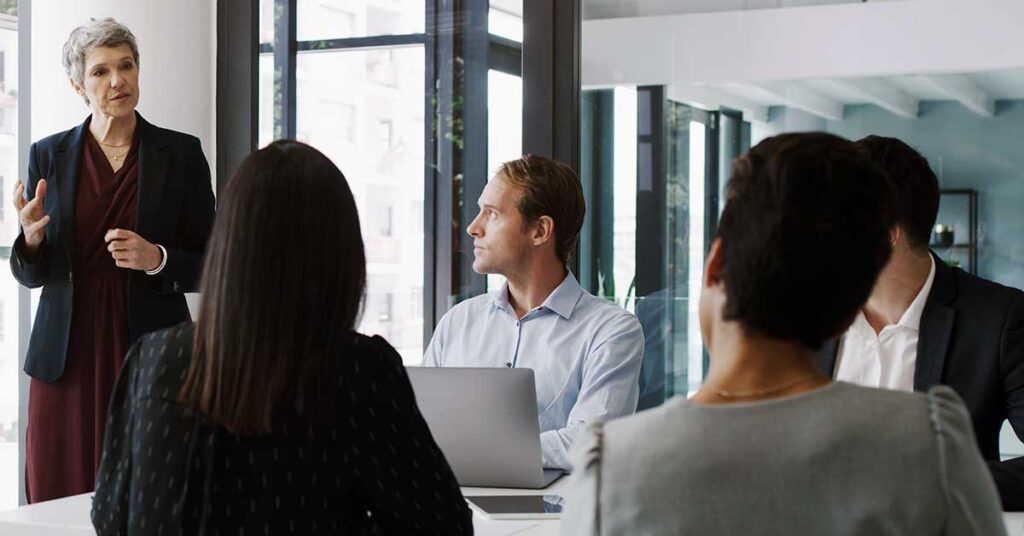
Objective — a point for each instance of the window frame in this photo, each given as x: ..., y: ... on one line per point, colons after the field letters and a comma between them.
x: 549, y: 65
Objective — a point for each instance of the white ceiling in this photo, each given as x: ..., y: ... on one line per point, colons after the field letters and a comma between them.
x: 606, y: 9
x: 997, y: 85
x: 901, y: 95
x: 748, y: 55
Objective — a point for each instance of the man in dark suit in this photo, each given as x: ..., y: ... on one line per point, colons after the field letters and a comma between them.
x: 926, y: 323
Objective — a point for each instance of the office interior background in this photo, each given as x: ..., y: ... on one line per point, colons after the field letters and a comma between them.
x: 419, y: 101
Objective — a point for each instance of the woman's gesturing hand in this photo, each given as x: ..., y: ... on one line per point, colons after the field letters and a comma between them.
x: 30, y: 213
x: 131, y: 250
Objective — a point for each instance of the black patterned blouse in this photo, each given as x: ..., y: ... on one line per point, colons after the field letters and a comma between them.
x: 377, y: 470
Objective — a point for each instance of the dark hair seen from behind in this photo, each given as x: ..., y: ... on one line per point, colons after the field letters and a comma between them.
x: 804, y: 235
x: 281, y: 291
x: 916, y: 188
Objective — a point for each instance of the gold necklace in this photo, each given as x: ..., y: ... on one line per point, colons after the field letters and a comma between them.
x: 116, y: 158
x: 750, y: 393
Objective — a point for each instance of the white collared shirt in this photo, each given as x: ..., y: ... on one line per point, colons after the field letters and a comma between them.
x: 888, y: 359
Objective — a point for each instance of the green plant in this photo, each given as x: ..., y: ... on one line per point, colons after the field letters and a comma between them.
x: 9, y: 7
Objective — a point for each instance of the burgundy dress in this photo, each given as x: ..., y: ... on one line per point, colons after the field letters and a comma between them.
x: 66, y: 419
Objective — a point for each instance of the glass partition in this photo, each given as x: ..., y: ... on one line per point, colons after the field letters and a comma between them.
x: 733, y: 69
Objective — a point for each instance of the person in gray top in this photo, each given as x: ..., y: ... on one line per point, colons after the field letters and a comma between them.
x: 769, y: 445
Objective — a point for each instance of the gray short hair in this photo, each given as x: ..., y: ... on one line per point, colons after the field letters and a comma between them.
x: 105, y: 32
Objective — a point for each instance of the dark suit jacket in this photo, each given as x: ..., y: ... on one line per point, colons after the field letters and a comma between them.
x: 175, y: 210
x: 972, y: 339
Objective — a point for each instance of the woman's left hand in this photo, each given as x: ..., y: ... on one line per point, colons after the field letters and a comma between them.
x: 131, y: 250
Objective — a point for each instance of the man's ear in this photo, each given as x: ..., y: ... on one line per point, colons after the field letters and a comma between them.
x: 713, y: 266
x: 894, y: 235
x: 543, y: 230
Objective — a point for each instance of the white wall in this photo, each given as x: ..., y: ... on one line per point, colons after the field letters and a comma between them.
x: 177, y: 56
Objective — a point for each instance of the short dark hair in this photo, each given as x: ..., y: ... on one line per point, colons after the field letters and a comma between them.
x: 804, y: 235
x: 281, y: 289
x: 915, y: 185
x: 551, y: 189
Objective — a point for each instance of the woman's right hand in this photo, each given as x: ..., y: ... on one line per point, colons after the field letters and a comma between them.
x: 30, y: 213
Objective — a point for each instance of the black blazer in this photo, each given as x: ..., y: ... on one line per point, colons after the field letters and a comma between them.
x: 972, y: 339
x: 175, y: 209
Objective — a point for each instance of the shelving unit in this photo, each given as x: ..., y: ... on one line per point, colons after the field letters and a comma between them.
x: 958, y: 208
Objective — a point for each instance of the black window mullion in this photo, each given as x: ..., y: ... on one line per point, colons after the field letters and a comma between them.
x: 375, y: 41
x: 551, y: 81
x: 505, y: 55
x: 437, y: 193
x: 473, y: 50
x: 237, y: 85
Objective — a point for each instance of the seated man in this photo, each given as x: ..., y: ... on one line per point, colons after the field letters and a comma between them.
x: 585, y: 351
x: 927, y: 324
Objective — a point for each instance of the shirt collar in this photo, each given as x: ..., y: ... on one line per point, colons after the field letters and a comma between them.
x: 912, y: 316
x: 562, y: 300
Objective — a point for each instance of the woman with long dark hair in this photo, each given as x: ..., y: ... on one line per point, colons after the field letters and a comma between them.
x: 270, y: 414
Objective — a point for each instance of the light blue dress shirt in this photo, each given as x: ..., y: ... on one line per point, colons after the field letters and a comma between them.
x: 585, y: 353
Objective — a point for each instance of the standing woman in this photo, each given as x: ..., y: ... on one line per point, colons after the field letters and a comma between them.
x: 114, y: 215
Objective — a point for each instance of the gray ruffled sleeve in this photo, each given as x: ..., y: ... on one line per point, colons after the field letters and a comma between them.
x: 582, y: 514
x: 972, y: 502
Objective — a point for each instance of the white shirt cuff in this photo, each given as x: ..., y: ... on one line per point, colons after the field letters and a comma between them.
x: 163, y: 262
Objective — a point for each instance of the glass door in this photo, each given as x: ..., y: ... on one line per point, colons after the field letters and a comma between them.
x: 653, y: 170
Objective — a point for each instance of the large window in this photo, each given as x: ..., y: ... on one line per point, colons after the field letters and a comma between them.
x: 650, y: 175
x: 364, y: 110
x: 417, y: 108
x: 361, y: 102
x: 9, y: 172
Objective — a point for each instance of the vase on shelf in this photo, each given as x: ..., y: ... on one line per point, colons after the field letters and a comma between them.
x: 943, y: 235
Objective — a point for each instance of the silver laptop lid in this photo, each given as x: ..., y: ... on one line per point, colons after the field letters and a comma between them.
x: 485, y: 421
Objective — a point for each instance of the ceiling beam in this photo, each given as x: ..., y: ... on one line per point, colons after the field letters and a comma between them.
x: 711, y: 99
x: 965, y: 90
x: 877, y: 92
x: 854, y: 40
x: 796, y: 95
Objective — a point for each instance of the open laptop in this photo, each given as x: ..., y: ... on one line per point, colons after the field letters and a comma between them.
x: 485, y: 421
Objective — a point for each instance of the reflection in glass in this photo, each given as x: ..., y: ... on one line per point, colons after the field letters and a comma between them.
x: 695, y: 346
x: 624, y: 209
x: 364, y: 110
x: 649, y: 166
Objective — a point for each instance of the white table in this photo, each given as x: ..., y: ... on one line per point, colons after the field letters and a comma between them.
x: 486, y: 527
x: 70, y: 517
